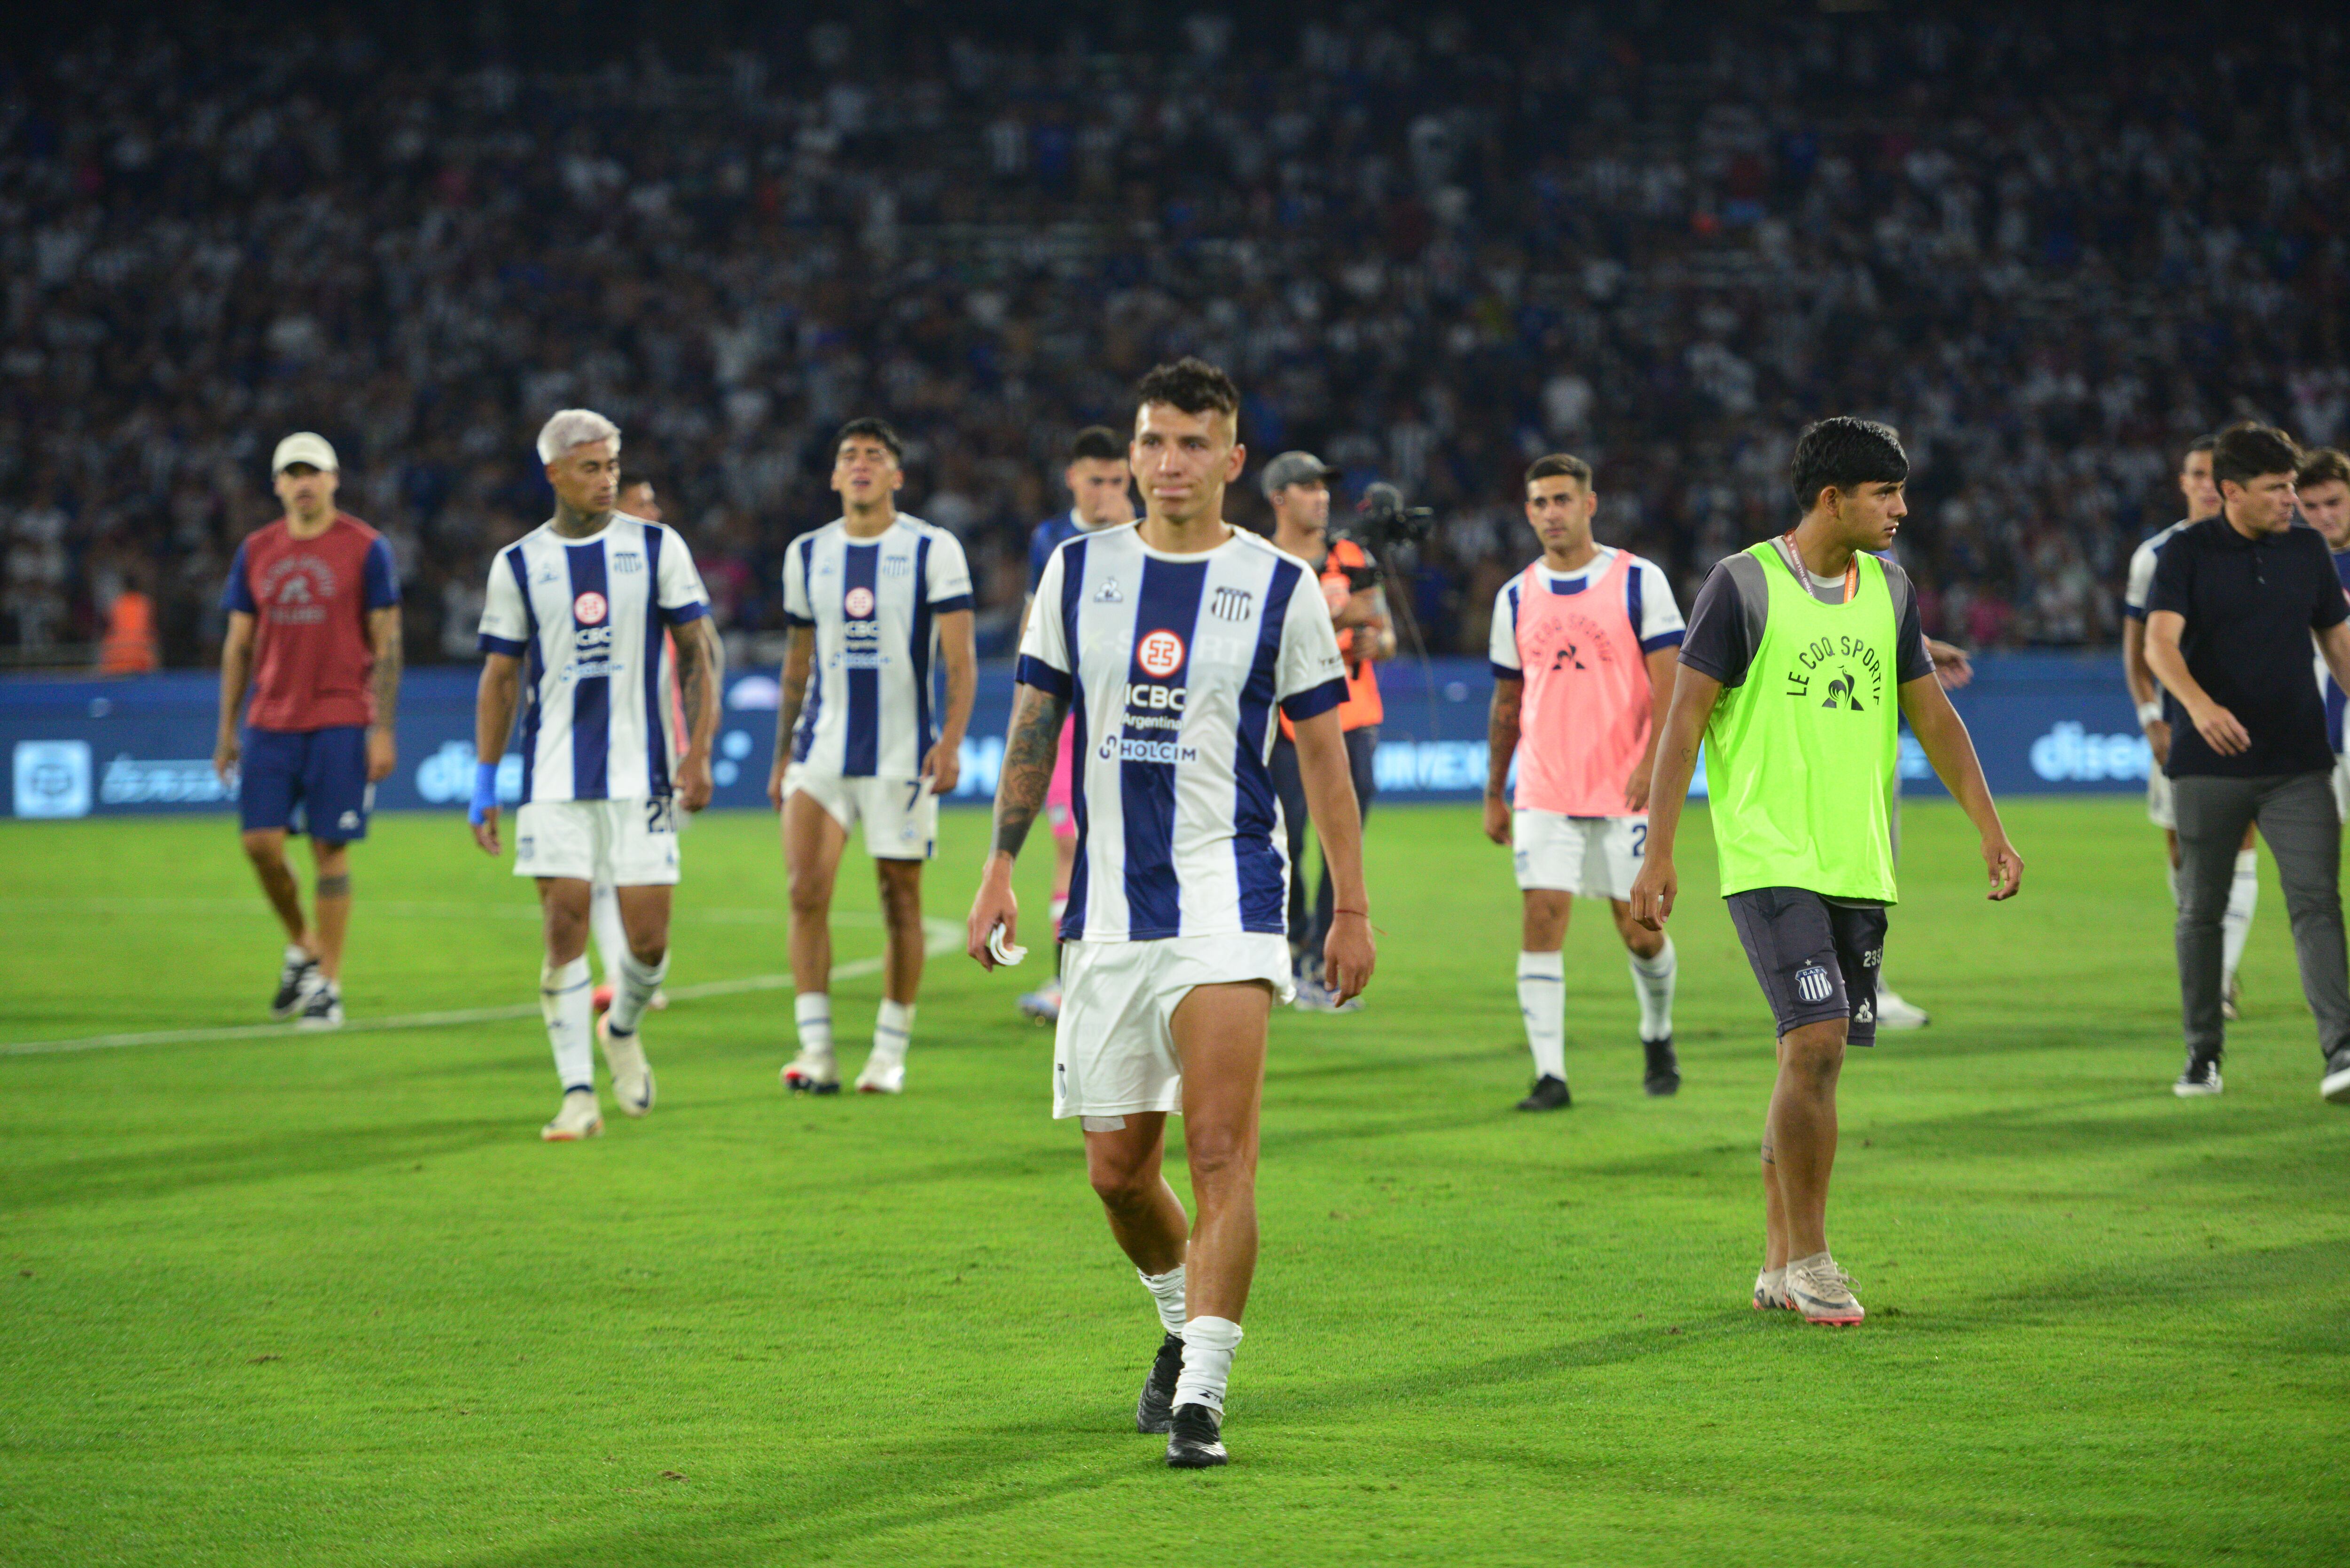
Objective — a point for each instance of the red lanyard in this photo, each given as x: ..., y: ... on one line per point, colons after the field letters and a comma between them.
x: 1851, y: 570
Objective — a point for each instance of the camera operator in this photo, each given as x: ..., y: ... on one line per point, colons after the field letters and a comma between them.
x: 1297, y: 483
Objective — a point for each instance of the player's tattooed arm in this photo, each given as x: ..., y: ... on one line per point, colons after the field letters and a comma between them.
x: 1501, y: 745
x: 701, y: 670
x: 799, y: 658
x: 1028, y: 754
x: 383, y: 681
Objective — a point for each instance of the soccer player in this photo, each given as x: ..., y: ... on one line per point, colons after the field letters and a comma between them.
x: 1797, y: 651
x: 873, y: 597
x: 2202, y: 498
x: 2324, y: 486
x: 1101, y: 491
x: 637, y: 499
x: 313, y: 604
x: 1298, y: 485
x: 1583, y: 652
x: 583, y: 600
x: 1174, y: 642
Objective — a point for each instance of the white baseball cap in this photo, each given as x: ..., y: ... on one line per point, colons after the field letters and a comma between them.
x: 304, y: 446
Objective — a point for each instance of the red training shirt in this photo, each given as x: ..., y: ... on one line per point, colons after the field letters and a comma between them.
x: 309, y: 599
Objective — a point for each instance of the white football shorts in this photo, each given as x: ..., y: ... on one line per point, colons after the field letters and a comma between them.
x: 1593, y: 856
x: 900, y: 816
x: 2342, y: 787
x: 628, y: 843
x: 2157, y: 798
x: 1114, y: 1051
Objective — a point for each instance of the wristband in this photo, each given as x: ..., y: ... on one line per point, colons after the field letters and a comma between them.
x: 2148, y: 713
x: 485, y: 792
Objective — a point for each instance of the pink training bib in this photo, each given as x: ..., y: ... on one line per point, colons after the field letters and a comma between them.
x: 1583, y: 725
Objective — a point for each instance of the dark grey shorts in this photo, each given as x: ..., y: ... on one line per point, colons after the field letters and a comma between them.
x: 1815, y: 959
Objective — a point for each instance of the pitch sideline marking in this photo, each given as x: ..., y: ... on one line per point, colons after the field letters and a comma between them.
x: 940, y: 937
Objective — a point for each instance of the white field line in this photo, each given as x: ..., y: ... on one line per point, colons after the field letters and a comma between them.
x: 407, y: 907
x: 942, y: 937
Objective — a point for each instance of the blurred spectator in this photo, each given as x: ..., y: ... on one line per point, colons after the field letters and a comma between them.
x: 2041, y: 243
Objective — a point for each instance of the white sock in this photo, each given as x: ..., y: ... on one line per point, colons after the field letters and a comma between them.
x: 638, y: 980
x: 611, y: 937
x: 568, y: 1004
x: 893, y: 1029
x: 1208, y: 1346
x: 811, y: 1012
x: 2243, y: 897
x: 1167, y: 1290
x: 1653, y: 980
x: 1541, y: 998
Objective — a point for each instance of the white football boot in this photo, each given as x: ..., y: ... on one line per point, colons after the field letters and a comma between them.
x: 812, y: 1072
x: 884, y: 1073
x: 579, y: 1117
x: 632, y: 1076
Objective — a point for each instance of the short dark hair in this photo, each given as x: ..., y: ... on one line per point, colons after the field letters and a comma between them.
x: 635, y: 476
x: 1099, y: 443
x: 1558, y: 464
x: 1847, y: 452
x: 1190, y: 384
x: 2326, y: 465
x: 2200, y: 444
x: 875, y: 430
x: 2247, y: 450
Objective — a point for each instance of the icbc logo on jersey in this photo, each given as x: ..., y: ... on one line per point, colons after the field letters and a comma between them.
x: 1160, y: 654
x: 589, y: 609
x: 859, y: 603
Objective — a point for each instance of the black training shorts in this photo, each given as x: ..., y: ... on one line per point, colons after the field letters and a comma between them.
x: 1815, y: 959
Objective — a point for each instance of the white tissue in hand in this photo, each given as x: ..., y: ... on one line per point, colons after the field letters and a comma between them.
x: 1003, y: 952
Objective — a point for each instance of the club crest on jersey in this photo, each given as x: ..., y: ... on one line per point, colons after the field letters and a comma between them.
x: 896, y: 566
x: 1160, y: 653
x: 589, y: 609
x: 859, y: 603
x: 1230, y: 604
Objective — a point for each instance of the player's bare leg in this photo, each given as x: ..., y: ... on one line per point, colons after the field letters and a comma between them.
x: 300, y: 977
x: 565, y: 1001
x: 813, y: 840
x: 644, y: 921
x: 332, y: 904
x: 1803, y: 1143
x: 901, y: 980
x: 1127, y: 1164
x: 1655, y: 973
x: 1769, y: 1285
x: 1541, y: 994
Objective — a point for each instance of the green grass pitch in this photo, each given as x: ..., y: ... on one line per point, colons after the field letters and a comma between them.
x: 305, y: 1299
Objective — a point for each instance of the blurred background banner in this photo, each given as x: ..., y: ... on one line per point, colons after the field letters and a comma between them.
x: 2044, y: 723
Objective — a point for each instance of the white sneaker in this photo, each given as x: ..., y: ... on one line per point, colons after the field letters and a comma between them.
x: 579, y: 1117
x: 1892, y: 1013
x: 883, y: 1074
x: 2334, y: 1087
x: 1821, y: 1290
x: 632, y: 1076
x: 1771, y: 1291
x: 812, y: 1072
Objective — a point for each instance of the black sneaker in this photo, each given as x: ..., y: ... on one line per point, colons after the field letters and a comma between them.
x: 292, y: 981
x: 1664, y: 1067
x: 322, y: 1006
x: 2334, y: 1086
x: 1155, y: 1412
x: 1194, y: 1438
x: 1549, y: 1094
x: 2202, y: 1078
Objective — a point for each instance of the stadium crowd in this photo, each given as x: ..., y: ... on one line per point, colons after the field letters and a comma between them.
x: 2049, y: 247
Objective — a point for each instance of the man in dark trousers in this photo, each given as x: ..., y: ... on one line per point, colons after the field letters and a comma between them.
x: 2236, y: 599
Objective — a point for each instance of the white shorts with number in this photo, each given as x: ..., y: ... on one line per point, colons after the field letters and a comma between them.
x: 1114, y: 1051
x: 900, y: 816
x: 1595, y: 857
x: 2157, y: 798
x: 626, y: 843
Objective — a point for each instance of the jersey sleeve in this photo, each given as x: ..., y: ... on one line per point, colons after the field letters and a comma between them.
x: 505, y: 619
x: 1045, y: 646
x: 797, y: 610
x: 948, y: 589
x: 1657, y: 616
x: 2140, y: 585
x: 382, y: 575
x: 2174, y: 579
x: 1911, y: 661
x: 1310, y: 677
x: 1040, y: 552
x: 1717, y: 641
x: 1502, y: 650
x: 238, y: 595
x: 679, y: 596
x: 2331, y: 609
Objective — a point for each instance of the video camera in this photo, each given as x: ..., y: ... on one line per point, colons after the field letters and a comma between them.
x: 1381, y: 522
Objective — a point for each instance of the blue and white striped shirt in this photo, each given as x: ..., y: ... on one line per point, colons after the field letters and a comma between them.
x: 871, y: 710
